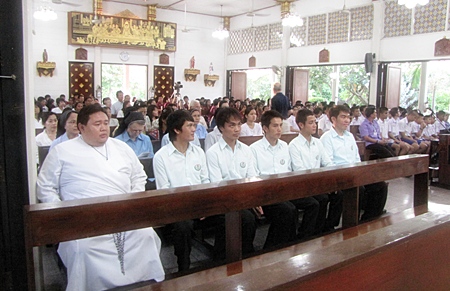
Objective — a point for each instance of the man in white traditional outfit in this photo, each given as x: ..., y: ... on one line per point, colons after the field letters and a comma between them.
x: 94, y: 165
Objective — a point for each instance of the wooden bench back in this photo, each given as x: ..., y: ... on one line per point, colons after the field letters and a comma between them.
x: 48, y: 223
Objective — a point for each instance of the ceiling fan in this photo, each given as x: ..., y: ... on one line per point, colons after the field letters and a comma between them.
x: 65, y: 2
x: 186, y: 29
x: 344, y: 9
x: 252, y: 13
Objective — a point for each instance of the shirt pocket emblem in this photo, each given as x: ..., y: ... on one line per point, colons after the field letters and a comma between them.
x: 198, y: 167
x: 243, y: 164
x: 282, y: 161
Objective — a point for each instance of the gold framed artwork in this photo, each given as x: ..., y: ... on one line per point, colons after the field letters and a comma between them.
x: 121, y: 32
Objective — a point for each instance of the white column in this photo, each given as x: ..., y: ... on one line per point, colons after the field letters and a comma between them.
x: 423, y: 86
x: 377, y: 35
x: 98, y: 70
x: 285, y: 44
x: 150, y: 71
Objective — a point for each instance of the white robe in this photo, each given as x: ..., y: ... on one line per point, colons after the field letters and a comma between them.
x: 75, y: 170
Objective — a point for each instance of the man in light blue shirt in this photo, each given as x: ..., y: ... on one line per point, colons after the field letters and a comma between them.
x: 132, y: 135
x: 340, y: 145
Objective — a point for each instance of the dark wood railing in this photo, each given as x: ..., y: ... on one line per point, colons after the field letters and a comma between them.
x: 49, y: 223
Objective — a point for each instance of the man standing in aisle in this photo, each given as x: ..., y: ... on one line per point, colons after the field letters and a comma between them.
x: 280, y: 102
x: 94, y: 165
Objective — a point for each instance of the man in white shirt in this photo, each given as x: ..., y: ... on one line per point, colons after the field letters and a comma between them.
x: 406, y: 128
x: 177, y: 164
x: 94, y: 165
x: 341, y: 147
x: 116, y: 107
x: 394, y: 132
x: 357, y: 117
x: 271, y: 156
x: 293, y: 125
x: 307, y: 152
x: 230, y: 159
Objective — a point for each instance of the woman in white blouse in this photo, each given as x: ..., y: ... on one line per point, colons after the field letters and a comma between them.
x: 46, y: 137
x: 250, y: 127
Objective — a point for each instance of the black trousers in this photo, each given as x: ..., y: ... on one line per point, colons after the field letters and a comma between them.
x: 334, y: 210
x: 282, y: 217
x: 182, y: 235
x: 310, y: 206
x: 248, y: 233
x: 381, y: 151
x: 375, y: 199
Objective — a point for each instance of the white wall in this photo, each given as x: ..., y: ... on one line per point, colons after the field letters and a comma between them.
x: 199, y: 43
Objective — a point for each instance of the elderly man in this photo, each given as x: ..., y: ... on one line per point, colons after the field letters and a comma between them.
x: 94, y: 165
x: 116, y: 107
x: 280, y: 102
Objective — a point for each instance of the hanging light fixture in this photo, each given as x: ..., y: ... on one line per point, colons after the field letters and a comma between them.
x: 288, y: 16
x: 412, y: 3
x: 45, y: 13
x: 222, y: 32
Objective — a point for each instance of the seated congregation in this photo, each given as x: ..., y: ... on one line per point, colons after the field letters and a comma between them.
x: 187, y: 154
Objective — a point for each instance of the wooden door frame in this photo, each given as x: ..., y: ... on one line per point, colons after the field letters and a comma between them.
x: 13, y: 151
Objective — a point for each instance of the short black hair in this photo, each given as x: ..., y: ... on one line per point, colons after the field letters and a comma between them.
x: 383, y: 109
x: 302, y: 116
x: 105, y: 99
x: 222, y: 102
x: 369, y: 111
x: 393, y: 111
x: 47, y: 115
x: 176, y: 120
x: 118, y: 92
x: 334, y: 112
x: 86, y: 111
x: 225, y: 114
x: 267, y: 117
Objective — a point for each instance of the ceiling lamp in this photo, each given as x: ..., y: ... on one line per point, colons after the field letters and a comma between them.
x: 222, y: 32
x: 45, y: 13
x: 289, y: 17
x: 412, y: 3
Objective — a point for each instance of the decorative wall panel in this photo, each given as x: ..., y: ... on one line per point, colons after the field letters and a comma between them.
x: 163, y: 81
x: 275, y: 35
x: 397, y: 20
x: 361, y: 23
x: 338, y: 27
x: 234, y: 42
x: 299, y: 35
x: 81, y: 78
x: 317, y: 29
x: 120, y: 31
x: 430, y: 17
x: 261, y: 38
x: 247, y: 40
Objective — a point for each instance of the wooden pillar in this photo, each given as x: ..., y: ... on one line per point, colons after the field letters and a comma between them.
x: 233, y: 231
x: 350, y: 213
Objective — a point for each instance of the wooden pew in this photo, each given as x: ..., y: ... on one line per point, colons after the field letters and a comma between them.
x: 49, y: 223
x: 404, y: 256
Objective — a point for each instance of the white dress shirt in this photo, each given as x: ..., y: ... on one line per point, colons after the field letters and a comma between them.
x: 292, y: 123
x: 394, y: 127
x: 307, y: 155
x: 325, y: 124
x: 212, y: 137
x: 247, y: 131
x: 116, y: 107
x: 174, y: 169
x: 341, y: 150
x: 226, y: 164
x: 270, y: 159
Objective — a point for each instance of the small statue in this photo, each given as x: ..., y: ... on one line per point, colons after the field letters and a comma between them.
x: 192, y: 62
x: 211, y: 69
x: 45, y: 56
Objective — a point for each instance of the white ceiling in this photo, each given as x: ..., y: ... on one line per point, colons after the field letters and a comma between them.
x: 207, y: 7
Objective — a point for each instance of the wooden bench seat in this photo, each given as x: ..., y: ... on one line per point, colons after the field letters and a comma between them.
x: 381, y: 252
